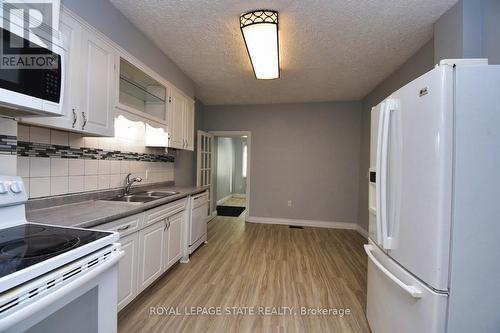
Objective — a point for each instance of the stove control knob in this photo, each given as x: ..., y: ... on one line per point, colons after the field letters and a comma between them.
x: 3, y: 190
x: 15, y: 187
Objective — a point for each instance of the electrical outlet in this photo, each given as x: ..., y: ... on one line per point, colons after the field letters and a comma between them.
x: 289, y: 203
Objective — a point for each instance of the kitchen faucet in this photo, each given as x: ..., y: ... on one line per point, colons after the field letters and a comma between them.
x: 129, y: 182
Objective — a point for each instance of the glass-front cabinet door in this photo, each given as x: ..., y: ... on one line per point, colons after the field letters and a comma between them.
x: 141, y: 93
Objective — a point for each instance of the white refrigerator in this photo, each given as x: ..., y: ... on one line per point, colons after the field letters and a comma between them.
x: 434, y: 202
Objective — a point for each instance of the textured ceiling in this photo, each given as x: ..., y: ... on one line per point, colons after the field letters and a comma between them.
x: 330, y: 50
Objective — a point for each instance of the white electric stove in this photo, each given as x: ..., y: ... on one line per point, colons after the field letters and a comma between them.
x: 52, y: 277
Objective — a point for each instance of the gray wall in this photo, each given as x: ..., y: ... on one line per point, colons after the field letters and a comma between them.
x: 418, y: 64
x: 470, y: 29
x: 307, y: 153
x: 102, y: 15
x: 225, y: 167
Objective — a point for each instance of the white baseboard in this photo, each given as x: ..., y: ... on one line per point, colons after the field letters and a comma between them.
x: 304, y: 223
x: 224, y: 199
x: 239, y: 195
x: 363, y: 232
x: 212, y: 216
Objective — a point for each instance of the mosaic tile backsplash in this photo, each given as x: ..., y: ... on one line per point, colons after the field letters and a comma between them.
x: 53, y: 162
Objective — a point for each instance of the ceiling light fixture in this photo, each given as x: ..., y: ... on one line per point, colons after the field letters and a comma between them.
x: 260, y: 33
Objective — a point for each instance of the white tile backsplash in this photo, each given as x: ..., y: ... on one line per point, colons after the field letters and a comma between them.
x: 103, y: 167
x: 103, y: 182
x: 90, y: 183
x: 124, y: 167
x: 76, y: 140
x: 76, y: 167
x: 91, y: 167
x: 23, y: 133
x: 39, y: 134
x: 23, y: 166
x: 114, y: 167
x: 59, y: 138
x: 58, y: 167
x: 116, y: 181
x: 54, y: 176
x: 39, y: 167
x: 76, y: 184
x: 39, y: 187
x: 58, y: 185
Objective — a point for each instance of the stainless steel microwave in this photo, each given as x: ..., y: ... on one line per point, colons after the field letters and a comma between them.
x: 31, y: 75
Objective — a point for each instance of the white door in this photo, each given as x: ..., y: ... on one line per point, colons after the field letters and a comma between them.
x: 174, y: 238
x: 374, y: 228
x: 398, y: 302
x: 415, y: 175
x: 176, y: 126
x: 98, y: 82
x: 151, y: 254
x: 204, y: 164
x: 127, y: 270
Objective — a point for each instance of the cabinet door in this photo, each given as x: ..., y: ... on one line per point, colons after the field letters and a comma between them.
x: 127, y: 270
x: 97, y: 78
x: 174, y: 238
x: 176, y: 126
x: 151, y: 254
x: 71, y: 32
x: 189, y: 125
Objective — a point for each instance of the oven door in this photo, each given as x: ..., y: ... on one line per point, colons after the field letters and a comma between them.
x: 31, y: 76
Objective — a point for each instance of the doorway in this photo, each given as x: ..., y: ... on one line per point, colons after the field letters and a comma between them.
x: 229, y: 175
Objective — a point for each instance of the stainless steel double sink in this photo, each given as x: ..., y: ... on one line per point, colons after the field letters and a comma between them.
x: 141, y: 197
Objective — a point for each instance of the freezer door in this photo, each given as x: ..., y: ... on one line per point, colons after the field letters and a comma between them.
x: 418, y: 184
x: 373, y: 225
x: 397, y: 302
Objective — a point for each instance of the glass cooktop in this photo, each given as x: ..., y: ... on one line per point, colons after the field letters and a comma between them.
x: 29, y: 244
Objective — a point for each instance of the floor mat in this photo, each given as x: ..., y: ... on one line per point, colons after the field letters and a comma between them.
x: 229, y: 210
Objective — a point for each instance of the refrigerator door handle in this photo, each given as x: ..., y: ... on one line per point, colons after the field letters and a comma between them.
x: 378, y: 182
x: 384, y: 160
x: 415, y: 292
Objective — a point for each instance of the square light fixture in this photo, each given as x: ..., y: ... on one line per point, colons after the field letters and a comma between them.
x: 260, y: 33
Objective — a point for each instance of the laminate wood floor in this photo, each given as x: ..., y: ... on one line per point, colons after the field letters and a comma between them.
x: 256, y: 266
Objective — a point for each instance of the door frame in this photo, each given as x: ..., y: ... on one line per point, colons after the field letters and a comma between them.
x: 212, y: 164
x: 231, y: 134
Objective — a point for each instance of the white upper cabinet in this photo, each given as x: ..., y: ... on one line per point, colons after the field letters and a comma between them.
x: 71, y: 34
x: 88, y: 99
x: 141, y: 91
x: 189, y: 125
x: 181, y: 121
x: 98, y: 88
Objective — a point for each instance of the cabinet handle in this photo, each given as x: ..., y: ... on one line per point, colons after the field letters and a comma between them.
x: 75, y: 117
x: 165, y: 228
x: 123, y: 228
x: 84, y: 120
x: 168, y: 224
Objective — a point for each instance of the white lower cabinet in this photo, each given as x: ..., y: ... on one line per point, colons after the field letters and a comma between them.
x: 153, y: 241
x: 127, y: 270
x: 174, y: 239
x: 151, y: 252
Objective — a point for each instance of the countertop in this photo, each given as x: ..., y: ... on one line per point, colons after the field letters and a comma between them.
x: 91, y: 213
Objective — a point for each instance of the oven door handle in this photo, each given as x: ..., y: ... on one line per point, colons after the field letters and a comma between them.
x: 58, y: 294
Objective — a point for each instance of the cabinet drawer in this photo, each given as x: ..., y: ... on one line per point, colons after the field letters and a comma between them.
x: 162, y: 212
x: 200, y: 199
x: 124, y: 226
